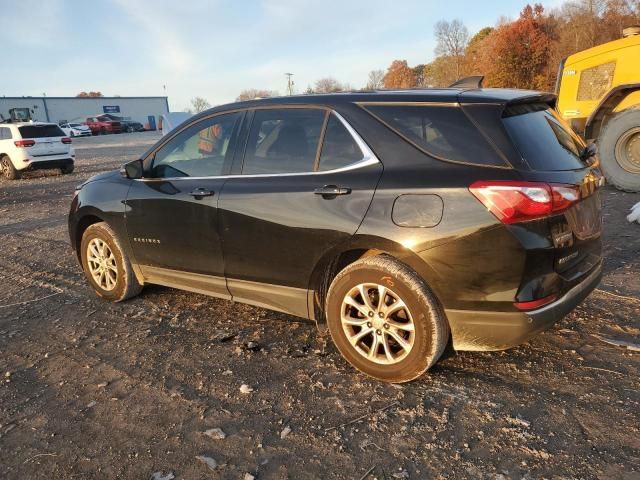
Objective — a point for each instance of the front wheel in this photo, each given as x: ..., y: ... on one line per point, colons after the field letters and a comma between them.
x: 384, y: 319
x: 7, y: 169
x: 106, y: 265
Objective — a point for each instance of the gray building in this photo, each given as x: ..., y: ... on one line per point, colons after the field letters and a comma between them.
x: 56, y: 109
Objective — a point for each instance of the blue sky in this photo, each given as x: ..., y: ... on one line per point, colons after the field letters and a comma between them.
x: 215, y: 49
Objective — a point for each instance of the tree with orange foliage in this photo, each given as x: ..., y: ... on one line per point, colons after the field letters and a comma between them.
x: 399, y: 75
x: 519, y: 52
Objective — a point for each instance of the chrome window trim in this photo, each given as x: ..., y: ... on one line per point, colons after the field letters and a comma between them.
x: 368, y: 159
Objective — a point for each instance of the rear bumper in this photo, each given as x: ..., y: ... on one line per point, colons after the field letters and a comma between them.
x: 48, y: 164
x: 477, y: 330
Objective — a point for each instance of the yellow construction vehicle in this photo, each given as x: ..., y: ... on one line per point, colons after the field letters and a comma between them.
x: 599, y: 94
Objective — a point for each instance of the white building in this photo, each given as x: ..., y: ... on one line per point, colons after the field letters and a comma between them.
x: 77, y: 109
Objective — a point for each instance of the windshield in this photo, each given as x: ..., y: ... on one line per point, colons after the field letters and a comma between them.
x: 544, y: 140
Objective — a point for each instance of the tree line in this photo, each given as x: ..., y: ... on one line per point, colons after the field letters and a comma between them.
x: 521, y: 53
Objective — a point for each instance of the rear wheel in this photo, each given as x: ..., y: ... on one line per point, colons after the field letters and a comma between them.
x: 7, y: 169
x: 385, y: 320
x: 67, y: 169
x: 619, y: 148
x: 106, y: 265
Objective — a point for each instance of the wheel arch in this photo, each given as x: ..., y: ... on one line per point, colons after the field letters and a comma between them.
x: 359, y: 246
x: 599, y: 117
x: 84, y: 222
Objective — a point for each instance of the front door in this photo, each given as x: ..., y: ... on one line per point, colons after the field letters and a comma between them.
x: 172, y: 213
x: 307, y: 181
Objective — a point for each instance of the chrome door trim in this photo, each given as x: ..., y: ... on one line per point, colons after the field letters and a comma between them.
x: 369, y: 158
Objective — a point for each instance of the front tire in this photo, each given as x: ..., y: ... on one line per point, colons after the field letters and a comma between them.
x: 7, y: 169
x: 384, y: 319
x: 619, y: 149
x: 106, y: 265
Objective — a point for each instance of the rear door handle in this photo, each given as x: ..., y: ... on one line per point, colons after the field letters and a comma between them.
x: 201, y: 192
x: 331, y: 191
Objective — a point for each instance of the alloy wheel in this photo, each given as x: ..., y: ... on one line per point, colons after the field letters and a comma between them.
x: 102, y: 264
x: 377, y: 323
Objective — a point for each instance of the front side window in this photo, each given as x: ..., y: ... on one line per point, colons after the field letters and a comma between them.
x: 283, y: 141
x: 199, y: 151
x: 339, y: 148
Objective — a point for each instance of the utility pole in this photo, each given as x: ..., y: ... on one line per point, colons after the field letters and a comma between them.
x: 289, y: 83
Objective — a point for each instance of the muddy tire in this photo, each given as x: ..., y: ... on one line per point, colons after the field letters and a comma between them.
x: 7, y: 169
x: 106, y: 265
x: 385, y: 320
x: 619, y: 149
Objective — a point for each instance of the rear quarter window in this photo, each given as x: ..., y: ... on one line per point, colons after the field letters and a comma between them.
x: 543, y: 139
x: 40, y: 131
x: 444, y: 132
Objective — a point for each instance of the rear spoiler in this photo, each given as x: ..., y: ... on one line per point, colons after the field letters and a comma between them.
x: 542, y: 97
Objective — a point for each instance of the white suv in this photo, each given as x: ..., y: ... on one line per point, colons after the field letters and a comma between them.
x: 34, y: 146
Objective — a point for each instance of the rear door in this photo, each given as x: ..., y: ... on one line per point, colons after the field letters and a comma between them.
x: 306, y: 181
x: 47, y: 138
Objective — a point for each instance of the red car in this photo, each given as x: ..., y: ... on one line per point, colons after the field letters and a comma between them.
x: 102, y: 125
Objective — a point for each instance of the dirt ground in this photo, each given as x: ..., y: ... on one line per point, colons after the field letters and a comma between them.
x: 91, y: 389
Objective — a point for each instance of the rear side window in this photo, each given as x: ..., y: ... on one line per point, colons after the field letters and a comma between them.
x: 5, y: 133
x: 441, y: 131
x: 283, y: 141
x: 544, y: 140
x: 339, y: 148
x: 40, y: 131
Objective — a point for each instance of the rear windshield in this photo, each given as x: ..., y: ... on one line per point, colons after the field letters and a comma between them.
x: 544, y: 140
x: 41, y: 131
x: 442, y: 131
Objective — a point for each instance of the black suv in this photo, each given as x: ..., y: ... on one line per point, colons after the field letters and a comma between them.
x: 398, y: 219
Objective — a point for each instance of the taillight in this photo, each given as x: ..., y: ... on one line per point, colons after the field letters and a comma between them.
x: 66, y: 140
x: 533, y: 304
x: 513, y: 202
x: 24, y: 143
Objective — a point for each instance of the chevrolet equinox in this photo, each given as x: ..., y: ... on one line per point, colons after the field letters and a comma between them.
x: 400, y: 220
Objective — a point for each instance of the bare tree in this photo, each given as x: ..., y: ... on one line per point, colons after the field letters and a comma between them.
x: 329, y: 85
x: 376, y: 80
x: 452, y: 38
x: 253, y: 93
x: 199, y: 104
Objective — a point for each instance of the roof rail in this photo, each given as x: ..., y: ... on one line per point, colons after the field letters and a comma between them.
x: 474, y: 81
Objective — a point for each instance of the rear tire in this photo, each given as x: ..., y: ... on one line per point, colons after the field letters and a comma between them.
x: 619, y: 149
x: 67, y: 169
x: 8, y: 170
x: 395, y: 340
x: 106, y: 265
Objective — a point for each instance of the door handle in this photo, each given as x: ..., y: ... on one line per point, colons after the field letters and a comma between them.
x: 332, y: 191
x: 201, y: 192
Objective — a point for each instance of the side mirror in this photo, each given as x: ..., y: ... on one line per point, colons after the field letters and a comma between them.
x: 132, y: 170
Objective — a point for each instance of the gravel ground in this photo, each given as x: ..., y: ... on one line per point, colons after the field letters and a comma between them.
x: 91, y: 389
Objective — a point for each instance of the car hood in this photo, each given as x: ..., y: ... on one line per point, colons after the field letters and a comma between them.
x: 105, y: 176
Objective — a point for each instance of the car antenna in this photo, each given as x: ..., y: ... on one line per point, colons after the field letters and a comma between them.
x: 474, y: 81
